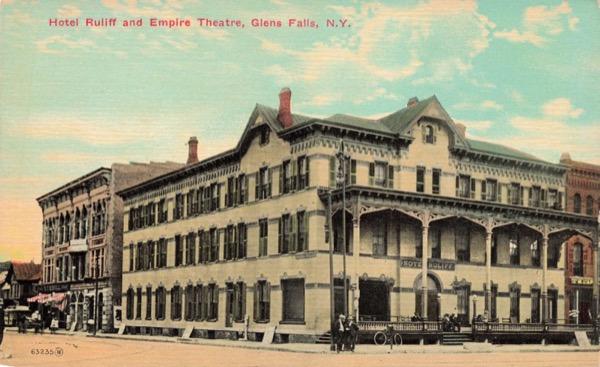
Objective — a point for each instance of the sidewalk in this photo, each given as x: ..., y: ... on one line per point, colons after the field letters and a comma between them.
x: 324, y: 348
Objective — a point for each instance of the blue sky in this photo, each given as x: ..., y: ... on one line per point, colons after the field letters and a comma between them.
x: 72, y: 99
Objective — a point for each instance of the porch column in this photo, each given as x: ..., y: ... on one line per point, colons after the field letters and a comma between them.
x: 488, y: 273
x: 425, y: 251
x: 544, y: 274
x: 595, y: 289
x: 356, y: 258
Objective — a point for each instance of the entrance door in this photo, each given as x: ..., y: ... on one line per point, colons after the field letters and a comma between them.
x: 462, y: 304
x: 433, y: 307
x: 338, y: 296
x: 374, y: 301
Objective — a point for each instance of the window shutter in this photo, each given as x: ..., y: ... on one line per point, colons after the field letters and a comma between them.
x: 530, y: 196
x: 256, y: 300
x: 499, y: 192
x: 280, y: 235
x: 306, y: 172
x: 292, y: 234
x: 294, y: 175
x: 457, y: 186
x: 544, y: 194
x: 282, y: 177
x: 257, y: 186
x: 472, y: 188
x: 268, y: 301
x: 371, y: 174
x: 423, y: 134
x: 270, y: 180
x: 390, y: 183
x: 243, y: 300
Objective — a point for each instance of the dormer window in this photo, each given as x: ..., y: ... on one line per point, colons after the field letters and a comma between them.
x: 264, y: 136
x: 428, y: 134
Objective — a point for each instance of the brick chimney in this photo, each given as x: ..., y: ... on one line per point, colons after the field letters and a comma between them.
x: 285, y: 112
x: 192, y: 150
x: 412, y: 101
x: 462, y: 129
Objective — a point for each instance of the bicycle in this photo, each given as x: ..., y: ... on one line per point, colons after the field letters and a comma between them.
x: 382, y: 338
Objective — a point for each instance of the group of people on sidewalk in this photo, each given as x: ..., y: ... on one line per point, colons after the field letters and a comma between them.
x: 345, y: 333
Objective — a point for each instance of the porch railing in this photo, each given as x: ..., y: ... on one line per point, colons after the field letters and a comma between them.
x: 538, y: 328
x: 400, y: 326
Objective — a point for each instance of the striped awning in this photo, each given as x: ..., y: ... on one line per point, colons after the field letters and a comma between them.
x: 58, y: 299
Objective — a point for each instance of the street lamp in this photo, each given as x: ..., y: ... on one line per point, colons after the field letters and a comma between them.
x: 340, y: 178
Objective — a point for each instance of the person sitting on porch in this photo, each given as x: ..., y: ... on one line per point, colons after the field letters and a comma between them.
x: 416, y: 317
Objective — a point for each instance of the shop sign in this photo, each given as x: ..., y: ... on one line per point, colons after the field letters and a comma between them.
x: 582, y: 281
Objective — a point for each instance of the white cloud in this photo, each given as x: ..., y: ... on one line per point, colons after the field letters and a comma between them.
x: 69, y: 11
x: 540, y: 23
x: 561, y: 107
x: 53, y: 44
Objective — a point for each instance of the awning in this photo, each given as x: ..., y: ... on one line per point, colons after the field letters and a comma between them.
x: 57, y: 299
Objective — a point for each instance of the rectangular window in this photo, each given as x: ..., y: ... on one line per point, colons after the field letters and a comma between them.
x: 463, y: 243
x: 212, y: 302
x: 215, y: 196
x: 435, y: 242
x: 190, y: 303
x: 161, y: 300
x: 489, y: 190
x: 535, y: 253
x: 176, y: 303
x: 242, y: 241
x: 292, y: 291
x: 263, y: 237
x: 190, y: 249
x: 381, y: 174
x: 264, y: 136
x: 380, y: 238
x: 287, y: 177
x: 285, y: 228
x: 129, y: 311
x: 203, y: 246
x: 535, y: 306
x: 139, y: 256
x: 515, y: 306
x: 262, y: 301
x: 162, y: 253
x: 214, y: 245
x: 303, y: 171
x: 513, y: 249
x: 192, y: 203
x: 242, y: 185
x: 178, y: 251
x: 535, y: 196
x: 302, y: 242
x: 151, y: 251
x: 436, y: 175
x: 553, y: 199
x: 514, y: 194
x: 148, y: 303
x: 420, y: 179
x: 162, y: 211
x: 131, y: 268
x: 231, y: 194
x: 206, y: 195
x: 230, y: 242
x: 178, y: 210
x: 239, y: 301
x: 263, y: 183
x: 463, y: 186
x: 138, y: 303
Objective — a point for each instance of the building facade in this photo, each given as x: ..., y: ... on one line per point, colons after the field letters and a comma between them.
x: 82, y: 241
x: 21, y: 280
x: 583, y: 197
x: 241, y: 240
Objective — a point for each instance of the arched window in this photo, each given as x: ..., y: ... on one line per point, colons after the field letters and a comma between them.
x: 577, y: 203
x: 578, y: 259
x: 589, y: 205
x: 428, y: 134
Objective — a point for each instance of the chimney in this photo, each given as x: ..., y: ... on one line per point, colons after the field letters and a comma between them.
x: 565, y: 158
x: 412, y: 101
x: 285, y: 112
x: 462, y: 129
x: 192, y: 150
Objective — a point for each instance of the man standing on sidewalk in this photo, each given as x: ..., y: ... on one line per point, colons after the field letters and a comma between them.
x: 1, y: 323
x: 339, y: 332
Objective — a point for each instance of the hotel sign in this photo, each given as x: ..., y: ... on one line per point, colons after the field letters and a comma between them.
x: 582, y: 281
x: 432, y: 264
x: 49, y: 288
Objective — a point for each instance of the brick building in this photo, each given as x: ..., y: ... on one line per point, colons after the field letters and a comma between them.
x: 82, y: 242
x: 583, y: 197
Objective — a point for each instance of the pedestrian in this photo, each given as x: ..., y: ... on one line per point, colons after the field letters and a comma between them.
x: 54, y: 325
x: 339, y: 331
x: 1, y: 323
x: 352, y: 332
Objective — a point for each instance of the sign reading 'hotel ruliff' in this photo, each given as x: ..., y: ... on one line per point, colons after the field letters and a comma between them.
x: 431, y: 264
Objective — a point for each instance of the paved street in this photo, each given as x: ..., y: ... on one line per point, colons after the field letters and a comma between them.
x: 81, y: 350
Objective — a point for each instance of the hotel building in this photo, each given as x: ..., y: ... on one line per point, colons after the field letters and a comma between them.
x: 241, y: 239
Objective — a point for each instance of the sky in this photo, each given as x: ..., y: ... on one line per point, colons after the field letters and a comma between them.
x: 74, y: 98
